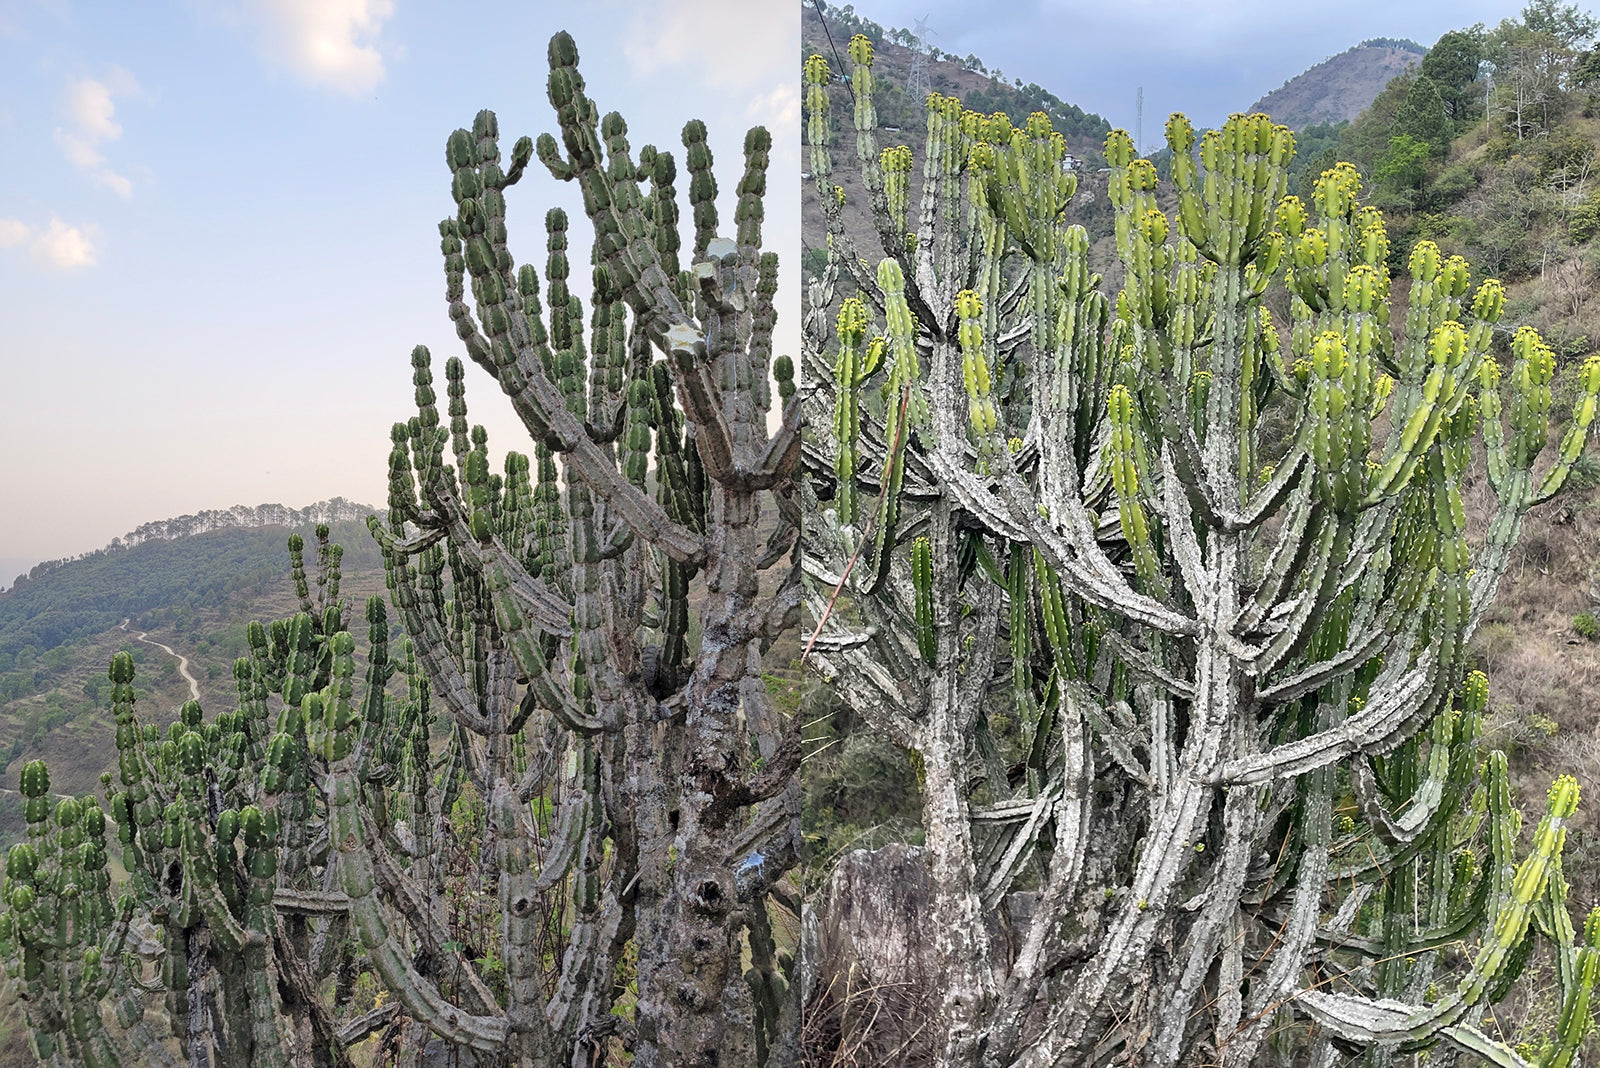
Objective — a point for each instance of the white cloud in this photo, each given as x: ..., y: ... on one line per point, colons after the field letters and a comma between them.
x: 79, y: 150
x: 115, y: 182
x: 728, y: 42
x: 777, y: 110
x: 91, y: 113
x: 330, y: 43
x: 13, y: 232
x: 64, y: 247
x: 90, y: 108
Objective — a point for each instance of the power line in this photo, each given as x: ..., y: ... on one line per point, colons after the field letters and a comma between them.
x: 917, y: 83
x: 839, y: 63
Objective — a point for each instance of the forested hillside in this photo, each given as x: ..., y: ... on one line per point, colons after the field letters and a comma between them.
x: 1488, y: 147
x: 979, y: 87
x: 67, y: 599
x: 195, y: 594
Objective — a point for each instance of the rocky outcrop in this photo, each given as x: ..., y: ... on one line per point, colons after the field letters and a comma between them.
x: 872, y: 982
x: 1340, y: 88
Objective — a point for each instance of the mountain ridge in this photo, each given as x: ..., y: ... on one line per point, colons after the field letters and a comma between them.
x: 70, y: 599
x: 331, y: 510
x: 1342, y: 86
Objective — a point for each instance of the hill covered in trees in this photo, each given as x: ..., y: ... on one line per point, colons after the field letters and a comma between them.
x: 190, y: 562
x: 979, y: 87
x: 196, y: 594
x: 1489, y: 148
x: 826, y: 29
x: 333, y: 510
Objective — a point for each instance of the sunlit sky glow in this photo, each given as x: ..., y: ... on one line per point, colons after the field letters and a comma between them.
x: 217, y: 227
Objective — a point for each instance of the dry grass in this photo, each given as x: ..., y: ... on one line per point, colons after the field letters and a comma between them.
x: 1544, y: 677
x: 851, y: 1023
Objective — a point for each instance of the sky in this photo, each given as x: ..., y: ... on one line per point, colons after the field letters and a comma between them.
x: 1206, y: 58
x: 218, y: 238
x: 217, y: 225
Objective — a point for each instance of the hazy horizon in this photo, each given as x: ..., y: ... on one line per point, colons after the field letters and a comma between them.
x: 223, y: 246
x: 14, y: 567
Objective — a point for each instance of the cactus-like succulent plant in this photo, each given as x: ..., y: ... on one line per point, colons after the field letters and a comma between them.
x: 63, y: 936
x: 638, y: 787
x: 201, y: 813
x: 1215, y: 630
x: 623, y: 790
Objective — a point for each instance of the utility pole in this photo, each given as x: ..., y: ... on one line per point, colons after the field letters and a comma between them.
x: 917, y: 82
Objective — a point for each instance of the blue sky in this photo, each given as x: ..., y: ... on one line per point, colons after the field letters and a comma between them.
x: 1207, y: 58
x: 217, y: 226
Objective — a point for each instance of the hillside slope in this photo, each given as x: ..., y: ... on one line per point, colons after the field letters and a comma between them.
x: 1340, y: 88
x: 333, y: 510
x: 194, y: 594
x: 205, y: 566
x: 901, y: 122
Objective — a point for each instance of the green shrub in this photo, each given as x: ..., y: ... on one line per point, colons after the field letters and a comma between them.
x: 1453, y: 183
x: 1586, y: 625
x: 1583, y: 222
x: 1585, y: 475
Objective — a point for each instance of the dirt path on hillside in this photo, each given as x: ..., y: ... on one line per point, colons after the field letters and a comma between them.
x: 183, y: 661
x: 183, y: 669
